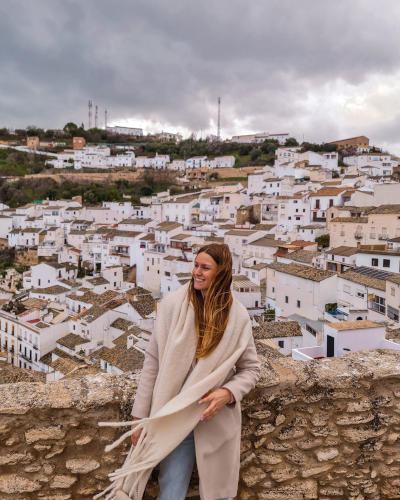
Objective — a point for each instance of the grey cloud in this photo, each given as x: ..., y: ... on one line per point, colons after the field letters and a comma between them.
x: 168, y: 62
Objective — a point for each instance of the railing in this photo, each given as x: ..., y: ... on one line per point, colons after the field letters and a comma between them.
x: 19, y: 337
x: 342, y: 233
x: 25, y: 357
x: 35, y: 346
x: 358, y: 236
x: 11, y: 349
x: 372, y: 236
x: 383, y: 237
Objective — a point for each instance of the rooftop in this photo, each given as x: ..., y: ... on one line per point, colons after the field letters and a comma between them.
x: 343, y: 250
x: 71, y: 340
x: 306, y: 272
x: 272, y: 329
x: 353, y: 325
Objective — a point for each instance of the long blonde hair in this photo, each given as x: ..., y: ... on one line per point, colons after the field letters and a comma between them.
x: 212, y: 310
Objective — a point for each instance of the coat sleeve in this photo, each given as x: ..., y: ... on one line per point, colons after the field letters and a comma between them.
x: 142, y: 404
x: 247, y: 373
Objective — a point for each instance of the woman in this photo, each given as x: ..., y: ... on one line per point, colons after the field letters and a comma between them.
x: 200, y: 362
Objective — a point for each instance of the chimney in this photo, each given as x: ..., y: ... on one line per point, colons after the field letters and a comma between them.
x: 130, y: 341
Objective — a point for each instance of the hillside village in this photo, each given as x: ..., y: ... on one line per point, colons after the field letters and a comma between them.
x: 314, y: 240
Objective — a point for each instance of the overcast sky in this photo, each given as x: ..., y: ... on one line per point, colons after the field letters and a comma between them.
x: 326, y: 69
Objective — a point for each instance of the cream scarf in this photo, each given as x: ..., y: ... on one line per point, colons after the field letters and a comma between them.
x: 175, y: 410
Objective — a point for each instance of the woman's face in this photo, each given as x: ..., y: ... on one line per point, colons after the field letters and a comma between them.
x: 205, y: 269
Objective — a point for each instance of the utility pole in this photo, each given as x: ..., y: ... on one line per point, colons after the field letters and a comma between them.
x: 90, y: 114
x: 96, y: 117
x: 219, y: 119
x: 105, y: 128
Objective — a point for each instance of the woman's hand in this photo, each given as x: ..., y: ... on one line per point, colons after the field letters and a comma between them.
x: 217, y: 398
x: 136, y: 435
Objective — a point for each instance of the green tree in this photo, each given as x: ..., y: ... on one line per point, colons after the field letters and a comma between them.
x: 255, y: 154
x: 49, y: 133
x: 70, y: 128
x: 245, y: 149
x: 323, y: 241
x: 291, y: 141
x: 146, y: 190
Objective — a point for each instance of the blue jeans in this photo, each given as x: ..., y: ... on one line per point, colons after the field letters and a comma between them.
x: 176, y: 470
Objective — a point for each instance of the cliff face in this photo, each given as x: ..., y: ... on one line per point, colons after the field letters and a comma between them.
x: 320, y: 429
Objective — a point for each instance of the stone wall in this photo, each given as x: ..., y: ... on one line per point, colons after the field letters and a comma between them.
x: 319, y: 429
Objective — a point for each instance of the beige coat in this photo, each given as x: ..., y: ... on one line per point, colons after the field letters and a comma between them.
x: 218, y: 440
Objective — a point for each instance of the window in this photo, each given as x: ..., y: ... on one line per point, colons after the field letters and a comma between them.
x: 256, y: 303
x: 347, y: 288
x: 386, y: 262
x: 298, y: 284
x: 286, y: 281
x: 232, y: 216
x: 310, y: 288
x: 286, y: 299
x: 393, y: 292
x: 298, y: 303
x: 253, y: 275
x: 374, y: 263
x: 393, y: 313
x: 360, y: 293
x: 378, y: 304
x: 273, y: 289
x: 147, y: 268
x: 281, y: 343
x: 311, y: 330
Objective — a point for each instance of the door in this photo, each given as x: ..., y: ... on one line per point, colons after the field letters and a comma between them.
x: 330, y: 346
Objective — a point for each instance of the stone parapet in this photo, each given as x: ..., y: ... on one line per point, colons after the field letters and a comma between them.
x: 317, y: 429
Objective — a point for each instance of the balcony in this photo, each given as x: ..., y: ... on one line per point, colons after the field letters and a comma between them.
x: 342, y: 233
x: 372, y: 236
x: 358, y: 236
x: 383, y: 237
x: 19, y: 337
x: 25, y: 357
x: 35, y: 346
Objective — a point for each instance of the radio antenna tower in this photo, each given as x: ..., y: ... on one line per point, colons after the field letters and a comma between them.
x: 90, y: 114
x: 105, y: 128
x: 96, y: 118
x: 219, y: 119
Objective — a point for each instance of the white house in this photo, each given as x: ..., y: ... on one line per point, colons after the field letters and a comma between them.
x: 304, y: 290
x: 125, y: 130
x: 286, y: 334
x: 153, y: 161
x: 343, y: 337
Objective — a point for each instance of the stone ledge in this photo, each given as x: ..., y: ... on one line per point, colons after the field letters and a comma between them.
x: 310, y: 430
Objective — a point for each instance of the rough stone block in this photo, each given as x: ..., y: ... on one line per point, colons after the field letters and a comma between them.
x: 306, y: 490
x: 325, y: 455
x: 309, y: 444
x: 359, y: 406
x: 269, y: 458
x: 331, y: 492
x: 43, y: 433
x: 252, y: 476
x: 313, y: 471
x: 280, y: 419
x: 260, y: 414
x: 83, y: 440
x: 12, y: 483
x: 296, y: 458
x: 284, y: 474
x: 320, y: 419
x: 358, y: 435
x: 16, y: 458
x: 82, y: 466
x: 264, y: 429
x: 358, y: 419
x: 63, y: 481
x: 290, y: 433
x: 272, y: 445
